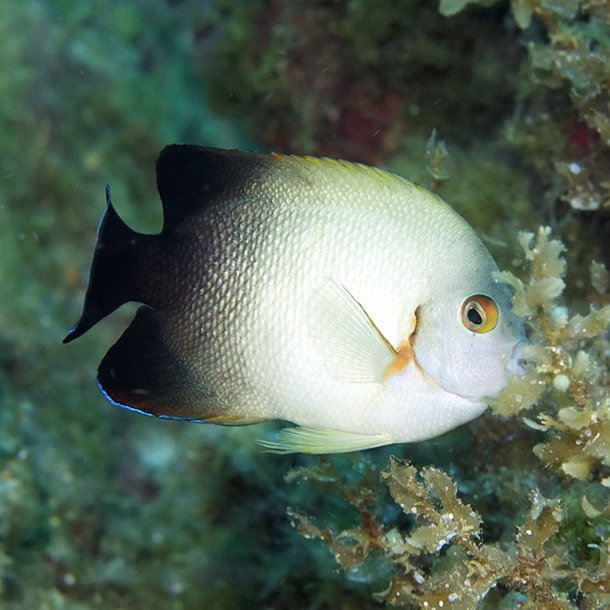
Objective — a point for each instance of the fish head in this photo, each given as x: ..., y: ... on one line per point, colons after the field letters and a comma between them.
x: 468, y: 340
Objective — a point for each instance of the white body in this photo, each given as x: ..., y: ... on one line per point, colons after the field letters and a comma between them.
x: 402, y: 253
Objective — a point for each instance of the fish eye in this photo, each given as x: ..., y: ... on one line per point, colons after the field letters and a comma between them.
x: 479, y: 313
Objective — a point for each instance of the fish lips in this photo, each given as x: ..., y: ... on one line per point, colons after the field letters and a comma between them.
x: 517, y: 364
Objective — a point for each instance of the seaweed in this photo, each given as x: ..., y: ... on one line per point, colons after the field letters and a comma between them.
x: 570, y: 373
x: 561, y: 120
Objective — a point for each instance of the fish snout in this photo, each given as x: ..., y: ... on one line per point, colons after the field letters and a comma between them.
x: 516, y: 363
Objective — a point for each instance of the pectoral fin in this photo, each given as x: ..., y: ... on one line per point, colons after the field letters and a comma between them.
x: 351, y: 346
x: 314, y: 440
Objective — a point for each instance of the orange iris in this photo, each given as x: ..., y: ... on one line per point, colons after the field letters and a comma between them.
x: 479, y: 313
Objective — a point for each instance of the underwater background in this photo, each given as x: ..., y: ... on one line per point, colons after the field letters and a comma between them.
x: 503, y: 108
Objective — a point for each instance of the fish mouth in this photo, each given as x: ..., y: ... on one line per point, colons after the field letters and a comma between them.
x: 516, y: 363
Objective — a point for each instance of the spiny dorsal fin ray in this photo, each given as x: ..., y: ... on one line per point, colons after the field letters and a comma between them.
x: 313, y: 440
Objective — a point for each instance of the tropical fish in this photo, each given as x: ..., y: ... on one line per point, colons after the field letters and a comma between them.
x: 342, y: 298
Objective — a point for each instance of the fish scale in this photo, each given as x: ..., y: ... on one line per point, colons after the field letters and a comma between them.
x: 321, y: 292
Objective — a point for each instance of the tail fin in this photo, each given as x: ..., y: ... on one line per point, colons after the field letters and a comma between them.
x: 111, y: 278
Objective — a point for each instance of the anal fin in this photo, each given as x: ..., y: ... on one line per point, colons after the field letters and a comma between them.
x: 315, y: 440
x: 142, y: 372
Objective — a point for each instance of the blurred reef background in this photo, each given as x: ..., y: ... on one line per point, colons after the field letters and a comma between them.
x: 503, y: 108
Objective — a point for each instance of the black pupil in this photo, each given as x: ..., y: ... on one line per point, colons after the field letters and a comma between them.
x: 474, y: 317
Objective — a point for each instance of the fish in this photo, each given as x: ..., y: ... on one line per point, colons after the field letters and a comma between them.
x: 339, y: 297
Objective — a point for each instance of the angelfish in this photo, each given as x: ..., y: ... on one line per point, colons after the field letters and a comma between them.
x: 340, y: 297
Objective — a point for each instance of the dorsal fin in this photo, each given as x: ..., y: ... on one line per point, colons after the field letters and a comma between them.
x: 191, y: 178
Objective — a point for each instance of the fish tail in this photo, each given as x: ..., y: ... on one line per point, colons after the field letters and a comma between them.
x: 112, y: 274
